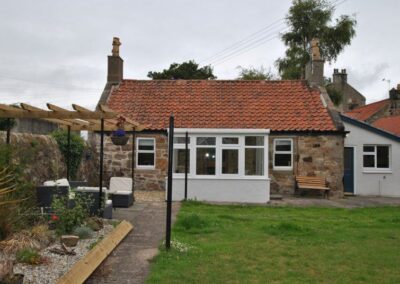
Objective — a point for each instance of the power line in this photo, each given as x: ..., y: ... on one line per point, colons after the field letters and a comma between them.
x: 252, y: 41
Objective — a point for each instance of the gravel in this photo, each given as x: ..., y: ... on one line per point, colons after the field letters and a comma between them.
x: 56, y: 265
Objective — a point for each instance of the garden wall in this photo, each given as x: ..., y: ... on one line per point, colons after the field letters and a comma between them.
x: 40, y: 159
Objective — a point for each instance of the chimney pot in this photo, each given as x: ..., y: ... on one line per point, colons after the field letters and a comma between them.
x: 343, y: 71
x: 115, y: 64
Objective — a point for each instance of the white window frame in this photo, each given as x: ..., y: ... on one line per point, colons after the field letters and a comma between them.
x: 183, y: 146
x: 194, y: 133
x: 145, y: 151
x: 217, y: 165
x: 282, y: 168
x: 222, y: 147
x: 375, y: 154
x: 255, y: 147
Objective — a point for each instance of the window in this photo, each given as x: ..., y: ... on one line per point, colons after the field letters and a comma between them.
x: 230, y: 155
x: 376, y: 157
x: 254, y: 155
x: 179, y: 155
x: 283, y: 154
x: 145, y: 152
x: 205, y: 155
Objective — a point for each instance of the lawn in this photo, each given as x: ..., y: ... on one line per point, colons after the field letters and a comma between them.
x: 253, y: 244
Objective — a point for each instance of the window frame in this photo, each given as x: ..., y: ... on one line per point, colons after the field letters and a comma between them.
x: 218, y: 135
x: 182, y: 146
x: 152, y: 167
x: 274, y: 152
x: 375, y: 155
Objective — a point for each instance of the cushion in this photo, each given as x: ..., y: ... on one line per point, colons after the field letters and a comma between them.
x: 122, y: 192
x: 62, y: 182
x: 120, y: 184
x: 49, y: 183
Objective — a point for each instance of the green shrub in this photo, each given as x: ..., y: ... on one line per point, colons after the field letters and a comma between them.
x: 29, y: 256
x: 76, y: 151
x: 70, y: 215
x: 83, y: 232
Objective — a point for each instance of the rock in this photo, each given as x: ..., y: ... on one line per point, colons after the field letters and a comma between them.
x: 69, y: 240
x: 6, y: 268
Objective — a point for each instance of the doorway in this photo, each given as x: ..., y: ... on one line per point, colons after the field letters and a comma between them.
x: 348, y: 178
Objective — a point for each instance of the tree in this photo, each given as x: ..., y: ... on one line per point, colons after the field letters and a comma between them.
x: 186, y: 70
x: 309, y: 19
x: 252, y: 73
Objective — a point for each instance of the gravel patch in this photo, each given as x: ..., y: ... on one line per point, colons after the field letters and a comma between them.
x: 57, y: 265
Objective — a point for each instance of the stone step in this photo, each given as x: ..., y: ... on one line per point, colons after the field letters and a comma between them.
x: 276, y: 197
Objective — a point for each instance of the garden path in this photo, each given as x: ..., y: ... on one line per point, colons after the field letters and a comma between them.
x: 130, y: 261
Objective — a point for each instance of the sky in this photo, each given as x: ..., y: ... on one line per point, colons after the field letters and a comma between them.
x: 56, y: 51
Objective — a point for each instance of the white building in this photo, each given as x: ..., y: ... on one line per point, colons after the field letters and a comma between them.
x: 372, y: 160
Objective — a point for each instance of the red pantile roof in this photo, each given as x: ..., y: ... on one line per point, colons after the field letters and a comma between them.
x: 276, y: 105
x: 365, y: 112
x: 390, y: 124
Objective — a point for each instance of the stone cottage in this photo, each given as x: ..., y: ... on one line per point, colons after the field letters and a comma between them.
x: 247, y: 138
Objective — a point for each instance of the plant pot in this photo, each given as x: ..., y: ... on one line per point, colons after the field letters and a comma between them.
x: 119, y: 140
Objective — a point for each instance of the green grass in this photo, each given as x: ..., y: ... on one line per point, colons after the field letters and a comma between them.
x: 249, y: 244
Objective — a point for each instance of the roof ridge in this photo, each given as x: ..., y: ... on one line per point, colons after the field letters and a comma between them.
x: 217, y: 80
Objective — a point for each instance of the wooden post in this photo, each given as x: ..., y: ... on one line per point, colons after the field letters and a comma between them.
x: 8, y: 137
x: 101, y: 167
x: 133, y: 165
x: 186, y: 163
x: 69, y: 153
x: 169, y: 193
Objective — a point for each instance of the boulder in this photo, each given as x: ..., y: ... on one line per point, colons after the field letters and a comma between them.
x: 69, y: 240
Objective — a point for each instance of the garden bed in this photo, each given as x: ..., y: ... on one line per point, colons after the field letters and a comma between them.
x: 52, y: 265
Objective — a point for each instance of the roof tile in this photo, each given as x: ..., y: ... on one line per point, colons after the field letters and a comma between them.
x: 277, y: 105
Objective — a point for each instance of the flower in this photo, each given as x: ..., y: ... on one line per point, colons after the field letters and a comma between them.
x: 119, y: 133
x: 54, y: 217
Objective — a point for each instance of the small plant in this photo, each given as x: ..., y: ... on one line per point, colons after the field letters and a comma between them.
x: 83, y: 232
x: 96, y: 224
x: 70, y: 217
x: 115, y: 223
x: 95, y: 243
x: 29, y: 256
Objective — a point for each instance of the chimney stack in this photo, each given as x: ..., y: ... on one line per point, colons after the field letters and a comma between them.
x: 315, y: 68
x: 339, y: 77
x: 115, y: 64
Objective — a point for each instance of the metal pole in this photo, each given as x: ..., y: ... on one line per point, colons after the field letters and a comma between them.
x: 101, y: 166
x: 8, y: 137
x: 186, y: 163
x: 169, y: 193
x: 133, y: 165
x: 69, y: 153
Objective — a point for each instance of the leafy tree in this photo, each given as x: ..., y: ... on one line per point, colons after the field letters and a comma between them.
x: 308, y: 19
x: 252, y: 73
x: 76, y: 150
x: 189, y: 70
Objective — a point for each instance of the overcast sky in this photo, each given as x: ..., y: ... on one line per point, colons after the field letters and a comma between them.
x: 56, y: 51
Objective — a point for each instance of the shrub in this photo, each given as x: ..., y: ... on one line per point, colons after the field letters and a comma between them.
x: 70, y: 217
x: 76, y: 151
x: 29, y: 256
x: 83, y: 232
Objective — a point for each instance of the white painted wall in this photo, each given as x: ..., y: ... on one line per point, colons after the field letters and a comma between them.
x: 385, y: 183
x: 222, y: 190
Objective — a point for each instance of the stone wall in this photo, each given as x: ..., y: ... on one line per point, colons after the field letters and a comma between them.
x: 40, y: 158
x: 118, y: 162
x: 314, y: 155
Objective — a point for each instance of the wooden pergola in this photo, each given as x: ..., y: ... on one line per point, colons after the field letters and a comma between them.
x: 100, y: 121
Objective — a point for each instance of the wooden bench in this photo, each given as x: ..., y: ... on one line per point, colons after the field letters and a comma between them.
x: 312, y: 183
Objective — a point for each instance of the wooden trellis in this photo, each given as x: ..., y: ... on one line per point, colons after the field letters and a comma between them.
x: 80, y: 118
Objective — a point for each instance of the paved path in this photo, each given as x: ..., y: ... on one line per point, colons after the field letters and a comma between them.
x: 129, y: 262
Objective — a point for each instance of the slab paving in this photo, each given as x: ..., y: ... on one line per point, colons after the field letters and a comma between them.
x: 130, y: 261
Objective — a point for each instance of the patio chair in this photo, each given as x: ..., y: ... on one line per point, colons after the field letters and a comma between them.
x: 92, y: 194
x: 121, y: 191
x: 77, y: 183
x: 46, y: 194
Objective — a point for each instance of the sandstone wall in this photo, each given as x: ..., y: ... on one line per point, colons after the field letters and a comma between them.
x: 313, y: 156
x: 40, y: 158
x: 118, y: 162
